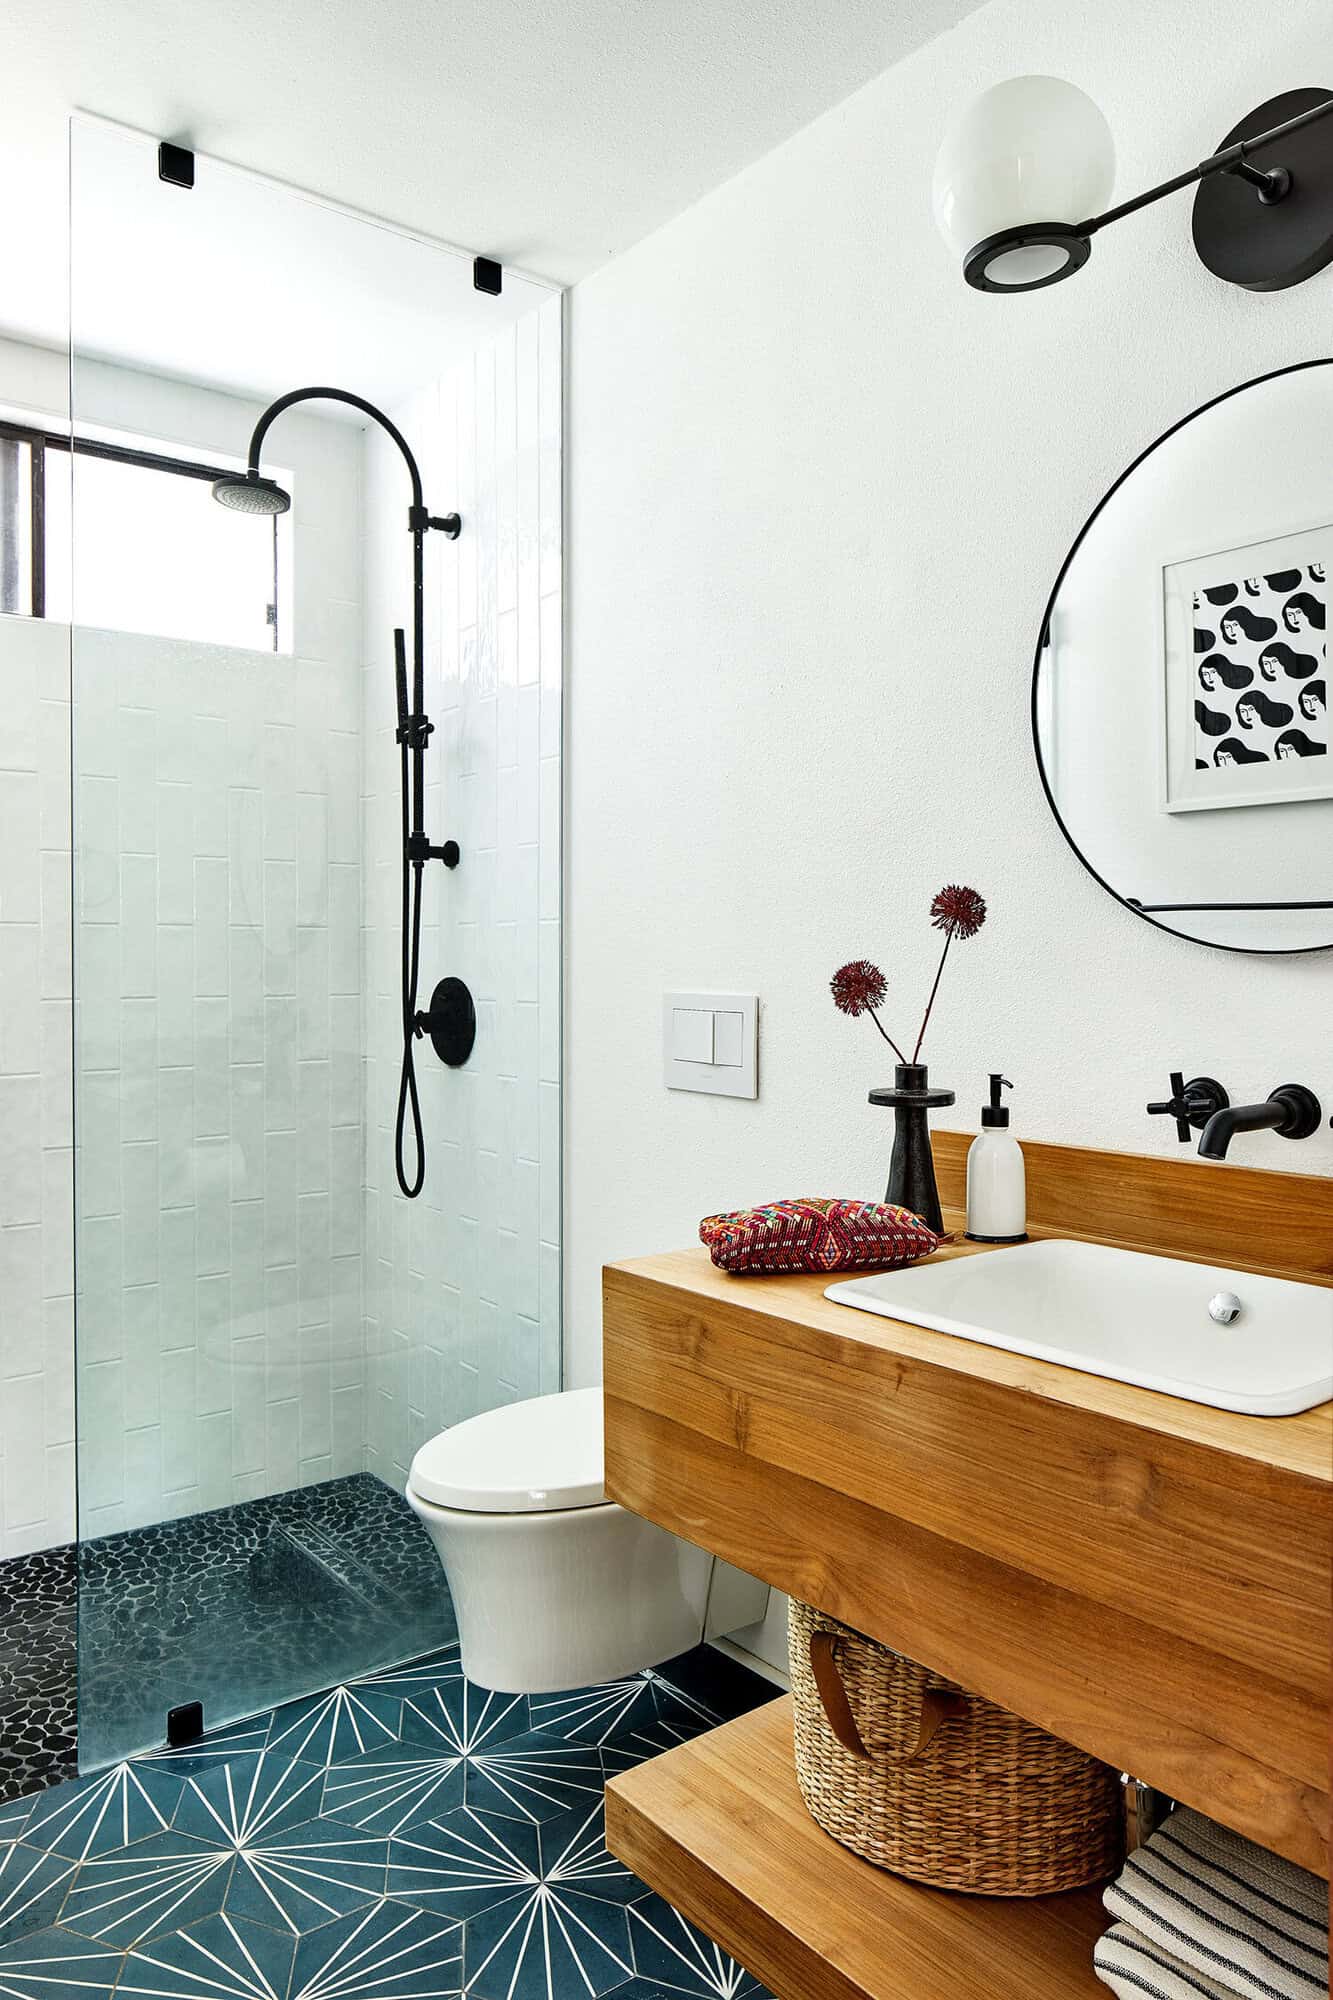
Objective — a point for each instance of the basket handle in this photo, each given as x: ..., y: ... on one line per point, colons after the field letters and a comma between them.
x: 937, y: 1707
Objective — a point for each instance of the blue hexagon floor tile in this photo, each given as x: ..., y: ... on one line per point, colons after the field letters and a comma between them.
x: 549, y: 1944
x: 615, y: 1708
x: 455, y: 1714
x: 416, y: 1675
x: 32, y: 1888
x: 14, y: 1817
x: 536, y: 1776
x: 405, y: 1836
x: 721, y: 1683
x: 222, y: 1958
x: 242, y: 1802
x: 141, y: 1892
x: 388, y: 1952
x: 675, y: 1958
x: 97, y: 1815
x: 53, y: 1964
x: 575, y: 1855
x: 461, y: 1865
x: 633, y: 1746
x: 297, y: 1878
x: 388, y: 1790
x: 328, y: 1728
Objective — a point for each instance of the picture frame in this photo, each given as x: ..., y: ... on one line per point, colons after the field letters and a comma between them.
x: 1245, y: 674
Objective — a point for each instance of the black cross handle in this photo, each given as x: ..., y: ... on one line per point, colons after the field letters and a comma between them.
x: 1191, y: 1104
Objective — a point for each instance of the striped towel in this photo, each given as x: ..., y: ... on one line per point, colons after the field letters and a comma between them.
x: 1132, y: 1967
x: 1253, y: 1925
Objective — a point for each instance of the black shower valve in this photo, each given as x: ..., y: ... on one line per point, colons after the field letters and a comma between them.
x: 1191, y: 1104
x: 451, y: 1022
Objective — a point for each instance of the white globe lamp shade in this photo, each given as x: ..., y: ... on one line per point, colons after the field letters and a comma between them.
x: 1032, y: 155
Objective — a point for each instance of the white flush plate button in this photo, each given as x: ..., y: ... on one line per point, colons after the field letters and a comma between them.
x: 710, y: 1043
x: 728, y: 1038
x: 692, y: 1034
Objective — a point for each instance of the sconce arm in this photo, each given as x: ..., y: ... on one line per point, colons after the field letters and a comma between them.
x: 1272, y: 182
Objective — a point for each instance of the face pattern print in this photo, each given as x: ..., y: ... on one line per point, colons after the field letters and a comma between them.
x: 1260, y: 678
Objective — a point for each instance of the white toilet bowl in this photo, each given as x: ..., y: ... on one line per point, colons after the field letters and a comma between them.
x: 555, y: 1586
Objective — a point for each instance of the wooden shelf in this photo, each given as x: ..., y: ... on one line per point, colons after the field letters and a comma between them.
x: 718, y: 1827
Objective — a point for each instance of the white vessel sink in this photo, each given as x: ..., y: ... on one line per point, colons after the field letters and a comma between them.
x: 1122, y: 1313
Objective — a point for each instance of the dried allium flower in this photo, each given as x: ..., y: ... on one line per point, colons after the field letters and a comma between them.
x: 959, y: 911
x: 858, y: 987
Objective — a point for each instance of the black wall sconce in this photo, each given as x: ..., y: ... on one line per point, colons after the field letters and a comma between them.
x: 1022, y: 175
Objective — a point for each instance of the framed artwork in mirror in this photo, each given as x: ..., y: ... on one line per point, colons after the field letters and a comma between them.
x: 1245, y: 674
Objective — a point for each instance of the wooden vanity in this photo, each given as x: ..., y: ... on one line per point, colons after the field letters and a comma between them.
x: 1145, y: 1577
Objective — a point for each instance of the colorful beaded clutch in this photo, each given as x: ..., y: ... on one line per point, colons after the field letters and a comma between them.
x: 816, y: 1235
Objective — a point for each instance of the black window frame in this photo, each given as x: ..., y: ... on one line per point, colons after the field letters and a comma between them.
x: 40, y: 441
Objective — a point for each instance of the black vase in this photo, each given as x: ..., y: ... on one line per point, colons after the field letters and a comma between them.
x: 912, y: 1168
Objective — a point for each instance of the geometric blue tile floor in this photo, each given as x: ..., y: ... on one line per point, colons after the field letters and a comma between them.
x: 408, y: 1836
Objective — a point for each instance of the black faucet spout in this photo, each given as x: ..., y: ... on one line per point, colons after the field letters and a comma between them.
x: 1223, y: 1126
x: 1292, y: 1111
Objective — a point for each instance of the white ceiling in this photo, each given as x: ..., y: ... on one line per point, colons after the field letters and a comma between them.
x: 551, y: 134
x: 252, y: 287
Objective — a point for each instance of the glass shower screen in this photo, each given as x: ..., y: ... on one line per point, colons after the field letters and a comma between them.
x: 265, y: 1330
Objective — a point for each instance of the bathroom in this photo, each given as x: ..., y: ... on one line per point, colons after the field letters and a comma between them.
x: 763, y: 509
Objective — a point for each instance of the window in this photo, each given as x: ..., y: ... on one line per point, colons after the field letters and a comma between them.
x: 155, y: 553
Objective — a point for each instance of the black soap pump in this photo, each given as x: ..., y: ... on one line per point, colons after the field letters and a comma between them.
x: 996, y: 1180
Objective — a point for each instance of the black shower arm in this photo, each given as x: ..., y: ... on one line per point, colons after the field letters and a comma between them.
x: 418, y: 519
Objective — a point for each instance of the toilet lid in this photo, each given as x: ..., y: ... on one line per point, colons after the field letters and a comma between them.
x: 523, y: 1458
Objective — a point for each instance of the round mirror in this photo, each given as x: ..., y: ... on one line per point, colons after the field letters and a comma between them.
x: 1180, y: 688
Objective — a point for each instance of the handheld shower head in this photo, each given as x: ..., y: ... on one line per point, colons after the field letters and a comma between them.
x: 251, y: 494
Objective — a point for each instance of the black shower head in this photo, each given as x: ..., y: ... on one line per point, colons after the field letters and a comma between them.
x: 251, y: 494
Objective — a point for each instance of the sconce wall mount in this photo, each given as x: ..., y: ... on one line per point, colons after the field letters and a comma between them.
x: 1288, y: 235
x: 1031, y: 151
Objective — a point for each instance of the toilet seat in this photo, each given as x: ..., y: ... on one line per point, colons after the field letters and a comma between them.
x: 534, y: 1457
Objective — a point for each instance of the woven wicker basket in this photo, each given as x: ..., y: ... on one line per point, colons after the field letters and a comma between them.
x: 934, y: 1783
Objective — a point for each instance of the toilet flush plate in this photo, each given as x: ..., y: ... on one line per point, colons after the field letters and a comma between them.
x: 710, y: 1043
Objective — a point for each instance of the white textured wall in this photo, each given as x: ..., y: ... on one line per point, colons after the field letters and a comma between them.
x: 218, y: 1080
x: 819, y: 491
x: 463, y: 1286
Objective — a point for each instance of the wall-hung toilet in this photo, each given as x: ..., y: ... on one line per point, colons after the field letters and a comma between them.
x: 555, y: 1586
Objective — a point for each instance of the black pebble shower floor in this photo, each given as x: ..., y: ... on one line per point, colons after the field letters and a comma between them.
x: 236, y: 1608
x: 38, y: 1615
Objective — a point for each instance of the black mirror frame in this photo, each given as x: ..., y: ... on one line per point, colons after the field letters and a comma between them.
x: 1209, y: 944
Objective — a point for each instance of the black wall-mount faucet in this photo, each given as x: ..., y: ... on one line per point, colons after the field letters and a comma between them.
x: 1292, y: 1111
x: 1202, y: 1105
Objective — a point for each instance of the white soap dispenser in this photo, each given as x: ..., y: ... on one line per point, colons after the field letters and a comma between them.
x: 996, y: 1181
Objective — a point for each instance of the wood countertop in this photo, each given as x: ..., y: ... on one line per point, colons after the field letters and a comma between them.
x: 797, y: 1311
